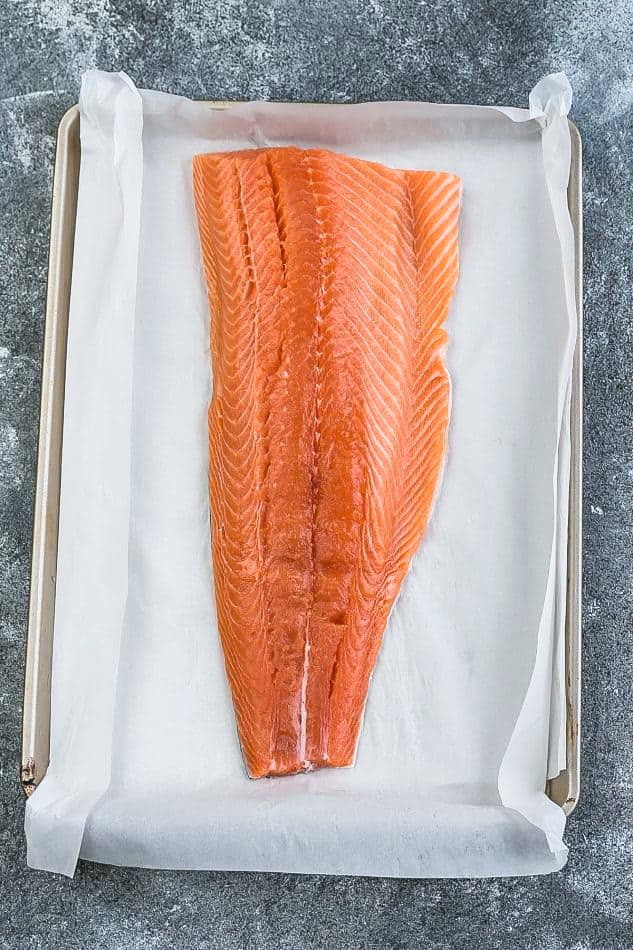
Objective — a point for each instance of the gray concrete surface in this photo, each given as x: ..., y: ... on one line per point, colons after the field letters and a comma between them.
x: 458, y: 51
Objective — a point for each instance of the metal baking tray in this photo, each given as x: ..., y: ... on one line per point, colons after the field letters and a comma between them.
x: 564, y: 789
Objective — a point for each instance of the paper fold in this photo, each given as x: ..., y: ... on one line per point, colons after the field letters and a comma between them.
x: 92, y: 574
x: 522, y: 777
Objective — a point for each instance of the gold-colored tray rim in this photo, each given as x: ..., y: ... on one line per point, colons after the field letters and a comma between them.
x: 564, y: 789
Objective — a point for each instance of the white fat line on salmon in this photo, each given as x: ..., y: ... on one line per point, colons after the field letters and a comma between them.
x: 318, y: 334
x: 303, y: 709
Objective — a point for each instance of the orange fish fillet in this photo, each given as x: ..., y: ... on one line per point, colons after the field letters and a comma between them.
x: 329, y: 280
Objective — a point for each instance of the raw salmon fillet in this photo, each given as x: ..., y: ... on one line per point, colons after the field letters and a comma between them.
x: 329, y: 280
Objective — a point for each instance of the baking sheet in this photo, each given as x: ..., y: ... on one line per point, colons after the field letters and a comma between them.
x: 429, y: 794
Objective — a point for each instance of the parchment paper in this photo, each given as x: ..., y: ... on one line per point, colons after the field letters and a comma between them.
x: 457, y: 740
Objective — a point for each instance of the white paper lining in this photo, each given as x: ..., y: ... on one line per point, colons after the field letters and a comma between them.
x: 454, y: 753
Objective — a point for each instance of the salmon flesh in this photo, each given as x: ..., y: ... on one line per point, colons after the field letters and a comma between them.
x: 329, y: 281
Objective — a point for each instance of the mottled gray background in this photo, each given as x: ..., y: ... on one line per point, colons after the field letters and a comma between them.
x: 457, y: 51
